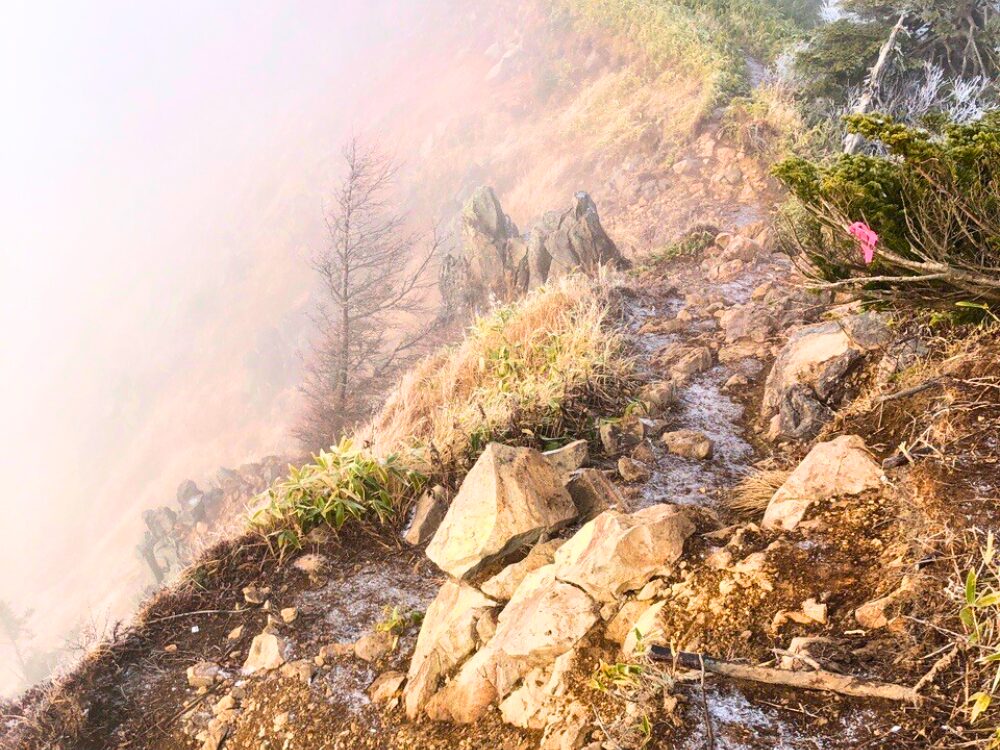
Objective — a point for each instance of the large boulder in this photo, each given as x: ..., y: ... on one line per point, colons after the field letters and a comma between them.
x: 616, y: 552
x: 508, y: 500
x: 447, y: 637
x: 840, y: 467
x: 544, y: 620
x: 811, y: 376
x: 550, y: 611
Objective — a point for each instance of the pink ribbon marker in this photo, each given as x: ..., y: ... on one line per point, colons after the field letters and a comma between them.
x: 866, y: 237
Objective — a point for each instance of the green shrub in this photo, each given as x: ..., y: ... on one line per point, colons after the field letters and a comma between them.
x: 341, y: 484
x: 934, y: 201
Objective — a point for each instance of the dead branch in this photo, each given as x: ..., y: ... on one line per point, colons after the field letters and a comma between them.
x: 816, y: 680
x: 853, y: 141
x: 911, y: 391
x: 939, y: 666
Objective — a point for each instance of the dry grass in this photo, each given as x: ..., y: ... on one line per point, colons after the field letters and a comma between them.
x: 538, y: 371
x: 751, y: 494
x: 936, y: 402
x: 767, y: 122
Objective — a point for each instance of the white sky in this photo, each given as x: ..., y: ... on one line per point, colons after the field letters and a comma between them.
x: 160, y: 170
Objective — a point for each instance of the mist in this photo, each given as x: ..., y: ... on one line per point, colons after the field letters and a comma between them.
x: 163, y: 171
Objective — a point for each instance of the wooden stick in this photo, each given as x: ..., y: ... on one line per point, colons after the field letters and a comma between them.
x: 815, y: 680
x: 911, y: 391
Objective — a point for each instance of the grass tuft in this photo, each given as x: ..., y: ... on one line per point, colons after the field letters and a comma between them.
x: 341, y: 484
x: 751, y: 494
x: 538, y: 372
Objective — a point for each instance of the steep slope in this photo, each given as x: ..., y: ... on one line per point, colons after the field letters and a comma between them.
x: 710, y: 314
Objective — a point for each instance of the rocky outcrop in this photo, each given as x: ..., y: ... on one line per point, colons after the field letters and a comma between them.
x: 555, y: 597
x: 545, y: 619
x: 497, y: 262
x: 495, y: 255
x: 447, y: 636
x: 507, y: 501
x: 570, y: 240
x: 840, y: 467
x: 811, y: 376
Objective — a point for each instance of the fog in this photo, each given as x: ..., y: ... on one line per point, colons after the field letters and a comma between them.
x: 162, y: 174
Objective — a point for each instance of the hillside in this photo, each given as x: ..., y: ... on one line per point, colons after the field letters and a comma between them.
x: 716, y: 467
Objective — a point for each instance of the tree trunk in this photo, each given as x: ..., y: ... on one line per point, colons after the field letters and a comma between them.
x: 853, y: 141
x: 345, y: 341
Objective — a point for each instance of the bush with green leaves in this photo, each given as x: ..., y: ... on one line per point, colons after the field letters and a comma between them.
x: 934, y: 201
x: 342, y: 484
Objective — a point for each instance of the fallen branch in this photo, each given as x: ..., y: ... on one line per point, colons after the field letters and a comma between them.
x: 815, y: 680
x: 194, y: 614
x: 906, y: 457
x: 911, y: 391
x: 939, y: 666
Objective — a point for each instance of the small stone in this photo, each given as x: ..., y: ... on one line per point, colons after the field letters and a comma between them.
x: 266, y: 653
x: 289, y: 615
x: 301, y: 669
x: 225, y: 703
x: 632, y: 471
x: 734, y: 382
x: 170, y: 648
x: 334, y: 650
x: 255, y: 594
x: 657, y: 397
x: 386, y: 686
x: 312, y: 564
x: 204, y: 674
x: 235, y: 634
x: 373, y: 646
x: 719, y: 558
x: 815, y: 611
x: 688, y: 444
x: 214, y: 738
x: 643, y: 453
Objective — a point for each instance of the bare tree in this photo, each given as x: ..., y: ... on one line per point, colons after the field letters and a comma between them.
x: 16, y: 630
x: 374, y: 271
